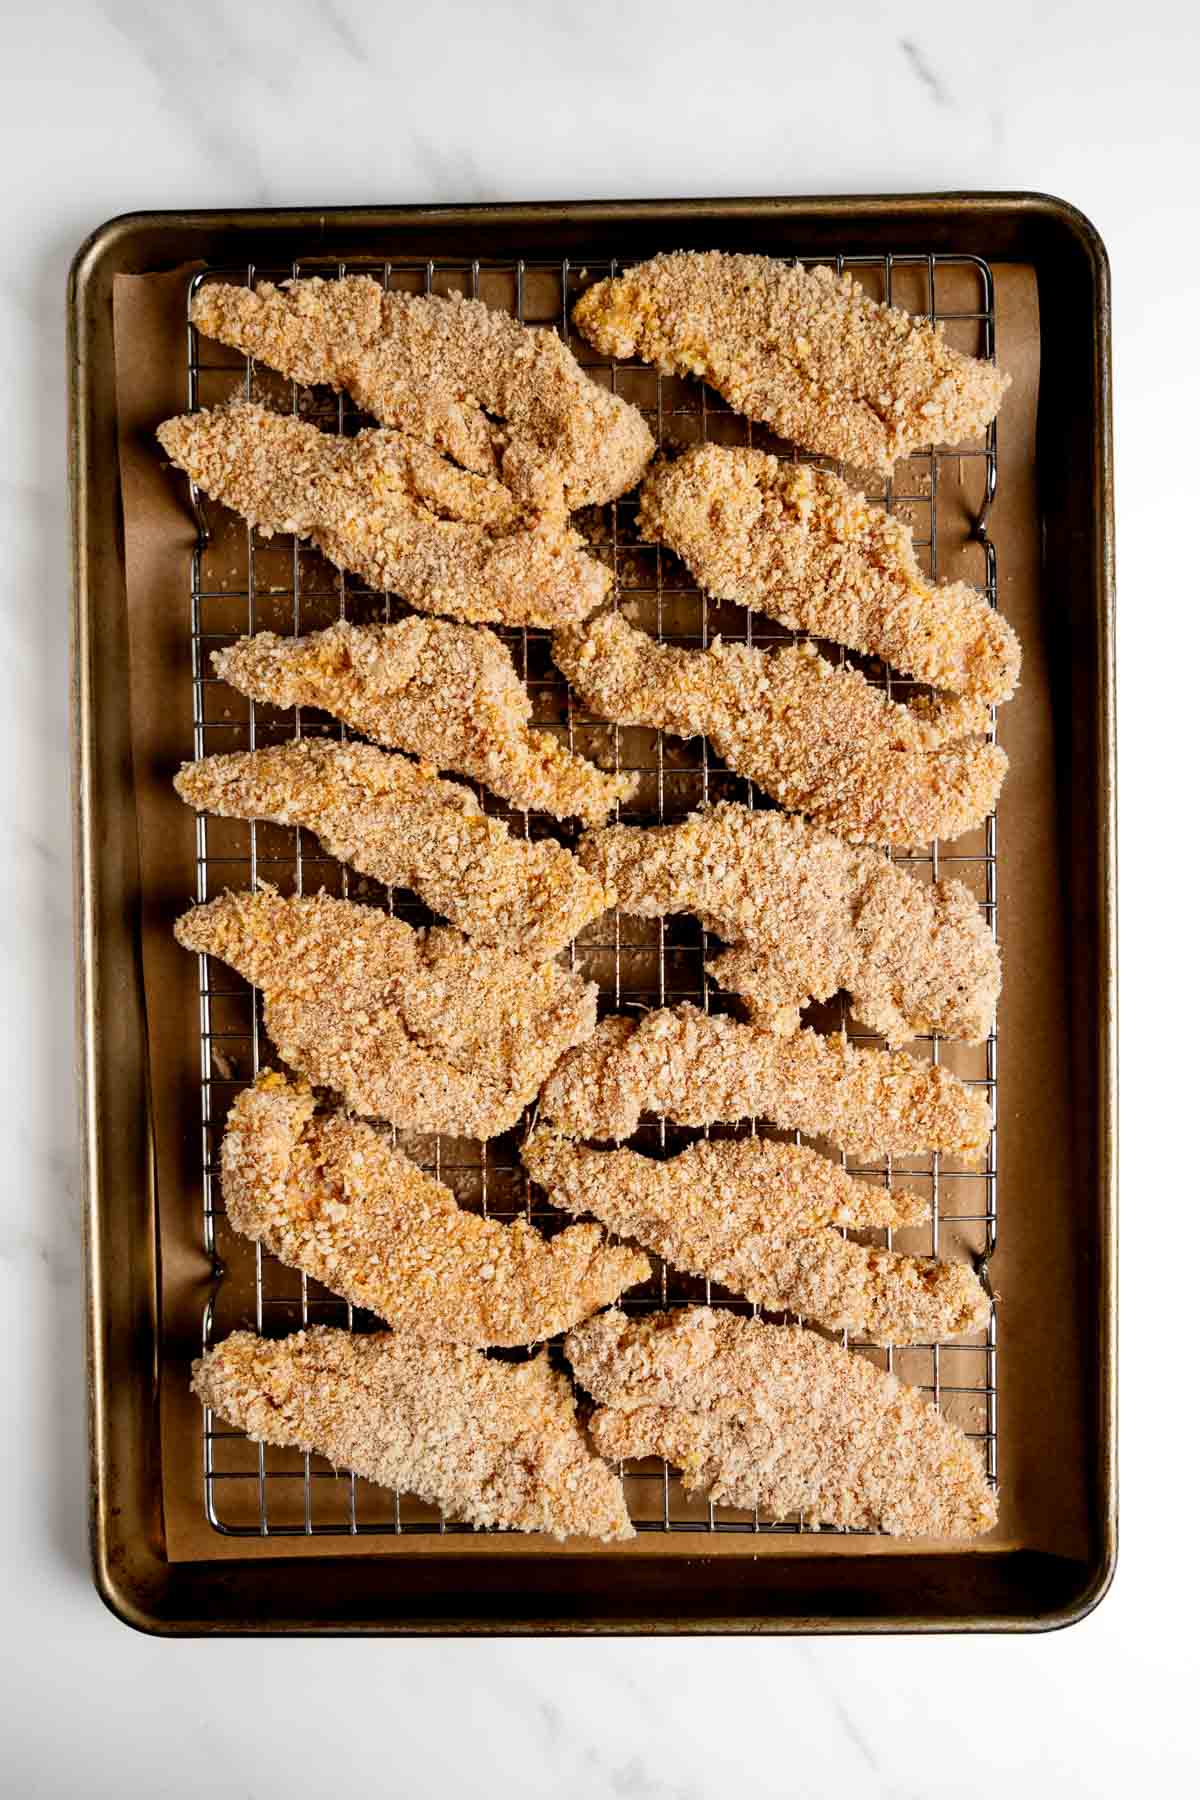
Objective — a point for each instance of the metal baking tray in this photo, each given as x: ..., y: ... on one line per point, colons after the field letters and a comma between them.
x: 705, y: 1569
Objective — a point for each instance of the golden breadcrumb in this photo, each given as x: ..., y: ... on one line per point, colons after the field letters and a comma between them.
x: 501, y: 399
x: 806, y: 915
x: 775, y: 1417
x: 422, y: 1028
x: 804, y: 350
x: 705, y: 1069
x: 448, y: 693
x: 393, y: 511
x: 331, y: 1196
x: 819, y: 740
x: 799, y: 544
x: 398, y: 822
x: 747, y: 1214
x: 493, y: 1443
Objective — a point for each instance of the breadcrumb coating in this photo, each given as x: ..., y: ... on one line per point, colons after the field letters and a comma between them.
x: 491, y: 1443
x: 393, y: 511
x: 745, y: 1214
x: 819, y: 740
x: 501, y: 399
x: 705, y: 1069
x: 804, y: 350
x: 421, y: 1028
x: 397, y: 821
x: 775, y: 1417
x: 799, y: 544
x: 448, y: 693
x: 807, y: 915
x: 330, y: 1195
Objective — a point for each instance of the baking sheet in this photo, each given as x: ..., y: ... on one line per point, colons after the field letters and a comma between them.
x: 1040, y: 1430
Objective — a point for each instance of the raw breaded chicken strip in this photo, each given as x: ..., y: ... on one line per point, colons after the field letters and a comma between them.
x: 494, y: 1443
x: 422, y: 1028
x: 799, y: 544
x: 397, y: 821
x: 820, y: 740
x: 393, y: 511
x: 804, y: 350
x: 745, y: 1214
x: 775, y: 1417
x: 331, y: 1196
x: 501, y: 399
x: 807, y: 914
x: 705, y: 1069
x: 447, y: 693
x: 807, y: 1191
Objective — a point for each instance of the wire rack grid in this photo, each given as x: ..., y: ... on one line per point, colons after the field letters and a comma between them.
x: 241, y: 584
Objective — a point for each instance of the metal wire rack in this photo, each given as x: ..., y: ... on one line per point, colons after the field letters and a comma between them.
x: 242, y: 584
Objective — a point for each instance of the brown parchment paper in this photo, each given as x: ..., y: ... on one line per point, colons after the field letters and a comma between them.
x: 1040, y: 1350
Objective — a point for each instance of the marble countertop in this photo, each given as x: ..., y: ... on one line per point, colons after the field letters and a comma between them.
x: 115, y: 106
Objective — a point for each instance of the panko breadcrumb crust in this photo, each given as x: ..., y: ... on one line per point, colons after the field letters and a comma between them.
x: 499, y: 398
x: 491, y: 1443
x: 775, y: 1417
x: 393, y: 511
x: 331, y: 1195
x: 819, y: 740
x: 804, y: 350
x: 422, y: 1028
x: 806, y: 915
x: 700, y: 1068
x: 448, y: 693
x: 745, y: 1213
x: 398, y: 821
x: 801, y: 545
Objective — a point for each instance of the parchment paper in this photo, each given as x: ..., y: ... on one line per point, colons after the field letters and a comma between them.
x: 1040, y: 1431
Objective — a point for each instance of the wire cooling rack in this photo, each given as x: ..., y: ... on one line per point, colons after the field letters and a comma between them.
x: 243, y: 584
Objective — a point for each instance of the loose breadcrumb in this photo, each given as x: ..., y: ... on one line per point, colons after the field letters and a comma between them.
x: 705, y: 1069
x: 774, y: 1417
x: 330, y: 1195
x: 799, y: 544
x: 501, y: 399
x: 747, y: 1214
x: 398, y: 822
x: 492, y: 1443
x: 806, y: 915
x: 393, y: 511
x: 804, y: 350
x: 447, y: 693
x: 819, y: 740
x: 421, y: 1028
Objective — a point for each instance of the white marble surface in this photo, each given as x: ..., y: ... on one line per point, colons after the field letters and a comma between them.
x: 346, y: 100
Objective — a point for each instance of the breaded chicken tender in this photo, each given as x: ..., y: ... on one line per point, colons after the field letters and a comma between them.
x: 819, y: 740
x: 330, y: 1195
x: 799, y: 544
x: 805, y: 915
x: 422, y: 1028
x: 493, y: 1443
x: 698, y: 1068
x: 775, y: 1417
x: 397, y: 821
x: 499, y: 398
x: 393, y: 511
x: 744, y: 1213
x: 803, y: 350
x: 447, y: 693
